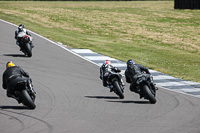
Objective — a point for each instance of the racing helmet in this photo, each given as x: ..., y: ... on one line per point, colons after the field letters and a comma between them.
x: 107, y: 63
x: 9, y: 64
x: 130, y: 63
x: 21, y: 27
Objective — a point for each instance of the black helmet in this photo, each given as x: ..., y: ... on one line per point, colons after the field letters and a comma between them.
x: 130, y: 63
x: 21, y: 25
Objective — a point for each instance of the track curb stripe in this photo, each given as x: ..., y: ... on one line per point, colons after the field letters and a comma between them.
x: 162, y: 80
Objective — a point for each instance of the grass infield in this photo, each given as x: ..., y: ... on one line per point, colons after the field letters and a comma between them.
x: 151, y: 33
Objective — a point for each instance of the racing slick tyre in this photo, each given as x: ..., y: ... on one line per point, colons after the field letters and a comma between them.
x: 28, y: 49
x: 27, y: 100
x: 118, y: 89
x: 149, y: 95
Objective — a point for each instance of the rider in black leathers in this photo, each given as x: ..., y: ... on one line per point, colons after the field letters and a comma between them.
x: 11, y: 76
x: 106, y: 67
x: 132, y: 72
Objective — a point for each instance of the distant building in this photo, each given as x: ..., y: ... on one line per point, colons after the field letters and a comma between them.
x: 187, y: 4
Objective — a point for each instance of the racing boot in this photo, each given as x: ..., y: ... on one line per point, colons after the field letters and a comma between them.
x: 137, y: 90
x: 111, y: 87
x: 140, y: 96
x: 154, y: 86
x: 32, y: 46
x: 122, y: 83
x: 19, y: 45
x: 21, y: 49
x: 9, y: 93
x: 104, y: 84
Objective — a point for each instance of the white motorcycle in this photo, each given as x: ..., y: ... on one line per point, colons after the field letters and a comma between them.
x: 24, y: 43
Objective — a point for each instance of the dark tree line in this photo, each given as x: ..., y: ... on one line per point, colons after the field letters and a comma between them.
x: 86, y: 0
x: 187, y: 4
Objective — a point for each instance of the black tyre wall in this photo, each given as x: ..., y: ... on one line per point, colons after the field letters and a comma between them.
x: 27, y: 100
x: 118, y: 89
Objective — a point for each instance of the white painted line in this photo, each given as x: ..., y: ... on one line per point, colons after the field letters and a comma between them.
x: 99, y: 64
x: 59, y: 43
x: 189, y: 90
x: 190, y: 83
x: 170, y: 84
x: 175, y: 83
x: 99, y: 58
x: 163, y: 77
x: 153, y: 71
x: 62, y: 46
x: 82, y: 51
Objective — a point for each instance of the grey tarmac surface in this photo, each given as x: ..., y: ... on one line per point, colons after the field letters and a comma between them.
x: 71, y: 98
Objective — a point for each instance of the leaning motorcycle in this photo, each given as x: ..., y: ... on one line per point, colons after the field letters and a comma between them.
x: 145, y: 87
x: 25, y: 45
x: 115, y: 83
x: 25, y: 93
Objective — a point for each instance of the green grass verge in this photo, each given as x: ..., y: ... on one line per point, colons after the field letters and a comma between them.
x: 151, y: 33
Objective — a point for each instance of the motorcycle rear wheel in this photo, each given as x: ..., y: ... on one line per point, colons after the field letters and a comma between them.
x: 149, y: 94
x: 27, y: 100
x: 118, y: 89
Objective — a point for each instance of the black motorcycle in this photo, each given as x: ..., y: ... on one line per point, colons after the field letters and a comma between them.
x: 115, y: 83
x: 24, y: 93
x: 25, y: 45
x: 145, y: 87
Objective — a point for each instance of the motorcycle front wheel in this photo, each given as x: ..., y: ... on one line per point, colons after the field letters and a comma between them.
x: 28, y: 49
x: 148, y: 94
x: 27, y: 100
x: 118, y: 89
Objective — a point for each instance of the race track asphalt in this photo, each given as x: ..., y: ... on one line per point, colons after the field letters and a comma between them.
x: 71, y: 98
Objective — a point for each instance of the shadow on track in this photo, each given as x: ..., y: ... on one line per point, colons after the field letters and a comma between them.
x: 14, y: 107
x: 15, y: 55
x: 103, y: 97
x: 113, y: 97
x: 136, y: 102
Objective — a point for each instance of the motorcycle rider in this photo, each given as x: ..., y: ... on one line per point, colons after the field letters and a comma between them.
x: 11, y: 76
x: 21, y: 28
x: 104, y: 72
x: 132, y: 72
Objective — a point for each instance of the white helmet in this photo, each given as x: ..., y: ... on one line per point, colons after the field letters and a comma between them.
x: 107, y: 62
